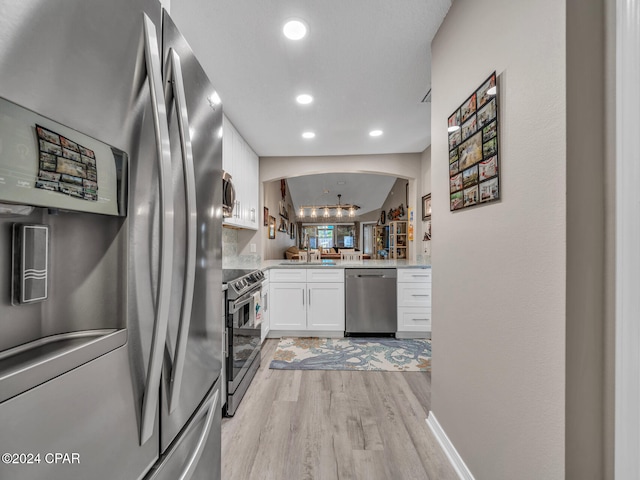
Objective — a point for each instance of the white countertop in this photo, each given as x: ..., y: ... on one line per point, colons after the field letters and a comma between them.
x: 269, y: 264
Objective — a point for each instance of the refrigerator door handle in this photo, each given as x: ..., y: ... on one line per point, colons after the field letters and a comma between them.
x: 174, y: 91
x: 194, y: 458
x: 161, y: 129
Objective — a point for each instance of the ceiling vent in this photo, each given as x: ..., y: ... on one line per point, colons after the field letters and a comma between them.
x: 427, y: 97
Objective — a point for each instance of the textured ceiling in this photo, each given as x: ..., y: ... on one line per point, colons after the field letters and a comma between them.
x: 368, y: 191
x: 366, y: 62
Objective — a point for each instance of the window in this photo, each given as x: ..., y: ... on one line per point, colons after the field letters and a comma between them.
x: 345, y: 235
x: 329, y: 236
x: 325, y: 236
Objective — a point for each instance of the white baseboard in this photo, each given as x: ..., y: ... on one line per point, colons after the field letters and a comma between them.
x: 305, y: 333
x: 419, y: 335
x: 450, y: 451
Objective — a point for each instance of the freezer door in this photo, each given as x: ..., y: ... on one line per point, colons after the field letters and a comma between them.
x: 87, y: 414
x: 195, y: 453
x: 193, y: 357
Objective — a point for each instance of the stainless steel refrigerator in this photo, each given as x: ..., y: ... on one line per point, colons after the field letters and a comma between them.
x: 110, y: 245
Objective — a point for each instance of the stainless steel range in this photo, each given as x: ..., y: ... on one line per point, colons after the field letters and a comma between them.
x: 243, y: 332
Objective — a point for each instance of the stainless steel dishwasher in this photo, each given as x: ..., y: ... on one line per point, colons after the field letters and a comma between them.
x: 371, y: 299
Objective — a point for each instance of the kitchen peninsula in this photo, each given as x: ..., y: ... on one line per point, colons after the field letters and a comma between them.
x: 309, y: 298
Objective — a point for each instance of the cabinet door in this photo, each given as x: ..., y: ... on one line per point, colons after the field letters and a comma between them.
x: 414, y: 275
x: 325, y: 274
x: 227, y: 144
x: 414, y: 319
x: 325, y: 306
x: 266, y: 298
x: 239, y: 180
x: 254, y: 186
x: 414, y: 295
x: 288, y: 275
x: 287, y: 309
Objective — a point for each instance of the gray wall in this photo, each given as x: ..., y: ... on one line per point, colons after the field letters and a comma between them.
x: 523, y: 352
x: 499, y: 300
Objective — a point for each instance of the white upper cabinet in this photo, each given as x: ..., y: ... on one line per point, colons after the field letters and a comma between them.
x: 241, y: 162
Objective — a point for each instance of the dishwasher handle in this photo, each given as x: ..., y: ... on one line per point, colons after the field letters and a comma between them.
x: 389, y: 273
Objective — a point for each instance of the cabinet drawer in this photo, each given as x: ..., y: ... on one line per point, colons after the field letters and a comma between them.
x: 414, y: 294
x: 288, y: 275
x: 414, y: 275
x: 333, y: 275
x: 414, y: 319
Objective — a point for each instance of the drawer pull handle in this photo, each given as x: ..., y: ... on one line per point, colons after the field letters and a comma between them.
x: 416, y: 295
x: 425, y: 319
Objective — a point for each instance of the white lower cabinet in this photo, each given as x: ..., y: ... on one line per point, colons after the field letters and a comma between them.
x: 288, y: 306
x: 414, y: 300
x: 325, y: 306
x: 303, y: 306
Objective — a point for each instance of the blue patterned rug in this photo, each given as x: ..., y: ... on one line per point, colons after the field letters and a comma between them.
x: 383, y: 354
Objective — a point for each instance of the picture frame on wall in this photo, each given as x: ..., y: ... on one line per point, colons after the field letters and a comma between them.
x: 426, y: 207
x: 474, y: 167
x: 283, y: 211
x: 266, y: 217
x: 272, y: 227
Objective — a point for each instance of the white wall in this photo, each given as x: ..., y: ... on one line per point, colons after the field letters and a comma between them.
x: 274, y: 248
x: 396, y: 197
x: 498, y: 381
x: 425, y: 169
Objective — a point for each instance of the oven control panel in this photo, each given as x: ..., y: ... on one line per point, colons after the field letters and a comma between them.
x: 247, y: 282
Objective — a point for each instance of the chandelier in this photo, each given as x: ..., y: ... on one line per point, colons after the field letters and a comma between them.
x: 339, y: 209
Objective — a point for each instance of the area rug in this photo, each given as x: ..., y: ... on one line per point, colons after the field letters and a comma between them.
x: 381, y: 354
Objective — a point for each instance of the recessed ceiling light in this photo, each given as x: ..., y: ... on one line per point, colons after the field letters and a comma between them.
x: 294, y: 29
x: 453, y: 128
x: 375, y: 133
x: 304, y: 99
x: 308, y: 135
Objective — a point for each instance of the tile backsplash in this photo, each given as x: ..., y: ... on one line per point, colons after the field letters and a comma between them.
x: 231, y: 257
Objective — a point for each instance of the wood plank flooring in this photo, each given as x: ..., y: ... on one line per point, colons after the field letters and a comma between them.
x: 317, y: 425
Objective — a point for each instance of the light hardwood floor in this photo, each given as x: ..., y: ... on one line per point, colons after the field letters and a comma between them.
x: 318, y: 425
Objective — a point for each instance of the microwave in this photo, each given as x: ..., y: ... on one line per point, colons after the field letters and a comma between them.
x: 228, y: 195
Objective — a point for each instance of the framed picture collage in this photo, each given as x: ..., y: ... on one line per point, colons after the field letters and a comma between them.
x: 66, y: 166
x: 473, y: 149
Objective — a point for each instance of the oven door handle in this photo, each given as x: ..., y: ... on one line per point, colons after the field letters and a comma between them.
x: 241, y: 302
x: 175, y: 94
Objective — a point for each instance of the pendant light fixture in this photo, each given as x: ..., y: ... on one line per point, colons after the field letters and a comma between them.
x: 340, y: 209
